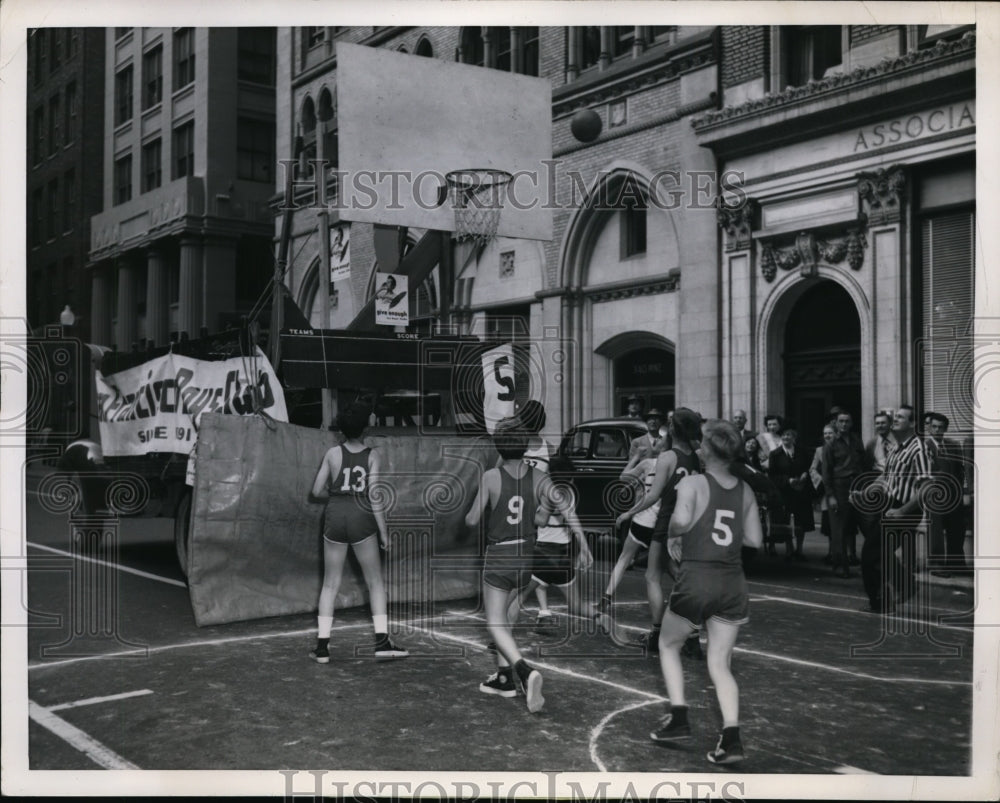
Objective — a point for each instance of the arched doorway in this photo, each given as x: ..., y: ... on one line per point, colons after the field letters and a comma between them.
x: 822, y: 359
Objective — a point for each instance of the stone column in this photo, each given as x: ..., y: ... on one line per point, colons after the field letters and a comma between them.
x: 125, y: 329
x: 516, y: 51
x: 218, y: 280
x: 488, y: 47
x: 100, y: 308
x: 156, y: 298
x: 605, y: 58
x: 638, y: 41
x: 572, y: 54
x: 189, y: 300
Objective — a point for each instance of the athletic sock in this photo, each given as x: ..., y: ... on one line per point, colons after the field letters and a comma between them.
x: 679, y: 714
x: 544, y: 613
x: 325, y: 625
x: 523, y: 670
x: 381, y: 621
x: 730, y: 735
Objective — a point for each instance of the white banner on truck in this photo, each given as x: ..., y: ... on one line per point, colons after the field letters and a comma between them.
x: 156, y: 406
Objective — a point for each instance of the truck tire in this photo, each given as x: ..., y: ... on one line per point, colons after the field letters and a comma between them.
x: 182, y: 530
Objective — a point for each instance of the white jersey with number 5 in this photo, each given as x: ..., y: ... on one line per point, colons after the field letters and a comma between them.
x: 717, y: 535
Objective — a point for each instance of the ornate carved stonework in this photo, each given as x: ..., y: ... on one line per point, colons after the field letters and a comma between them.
x: 671, y: 284
x: 738, y: 222
x: 808, y: 251
x: 882, y: 194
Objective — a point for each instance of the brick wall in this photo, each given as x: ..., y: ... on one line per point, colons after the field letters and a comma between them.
x: 744, y: 53
x: 862, y: 33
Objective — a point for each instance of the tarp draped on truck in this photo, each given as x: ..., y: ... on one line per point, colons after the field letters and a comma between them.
x: 256, y: 539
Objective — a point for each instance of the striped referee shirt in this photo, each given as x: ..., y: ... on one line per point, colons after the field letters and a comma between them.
x: 906, y: 468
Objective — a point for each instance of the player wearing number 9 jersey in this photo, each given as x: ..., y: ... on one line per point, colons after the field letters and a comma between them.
x: 715, y: 515
x: 352, y: 518
x: 511, y: 493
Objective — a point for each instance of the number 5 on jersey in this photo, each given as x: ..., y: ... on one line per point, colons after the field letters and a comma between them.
x: 721, y: 533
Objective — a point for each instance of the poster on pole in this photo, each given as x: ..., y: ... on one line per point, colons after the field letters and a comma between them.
x: 498, y: 385
x: 392, y: 308
x: 340, y: 252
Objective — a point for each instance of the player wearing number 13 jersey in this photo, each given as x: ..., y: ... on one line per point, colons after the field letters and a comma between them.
x: 715, y: 515
x: 352, y: 518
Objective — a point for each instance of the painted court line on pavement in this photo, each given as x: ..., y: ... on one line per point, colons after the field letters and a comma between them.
x: 95, y: 700
x: 800, y: 662
x: 805, y: 604
x: 203, y: 643
x: 86, y: 744
x: 561, y: 670
x: 118, y: 567
x: 598, y: 729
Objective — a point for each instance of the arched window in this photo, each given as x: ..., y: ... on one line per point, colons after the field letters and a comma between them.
x: 424, y: 48
x: 472, y: 46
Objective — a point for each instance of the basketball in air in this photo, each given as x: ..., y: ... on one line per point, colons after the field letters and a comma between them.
x: 586, y: 125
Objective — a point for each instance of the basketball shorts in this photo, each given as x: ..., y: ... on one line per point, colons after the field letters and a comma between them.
x: 554, y: 564
x: 641, y: 534
x: 711, y: 592
x: 508, y: 565
x: 347, y: 522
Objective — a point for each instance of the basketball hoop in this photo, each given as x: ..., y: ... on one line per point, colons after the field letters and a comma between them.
x: 477, y: 196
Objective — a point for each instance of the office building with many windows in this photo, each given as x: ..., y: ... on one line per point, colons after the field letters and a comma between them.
x: 65, y: 105
x: 183, y: 243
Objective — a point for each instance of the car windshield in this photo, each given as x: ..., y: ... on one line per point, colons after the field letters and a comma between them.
x: 610, y: 443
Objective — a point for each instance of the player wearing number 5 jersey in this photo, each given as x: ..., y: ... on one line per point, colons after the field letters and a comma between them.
x: 352, y: 518
x: 714, y: 517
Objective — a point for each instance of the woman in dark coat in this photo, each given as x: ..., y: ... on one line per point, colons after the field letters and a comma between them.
x: 788, y: 468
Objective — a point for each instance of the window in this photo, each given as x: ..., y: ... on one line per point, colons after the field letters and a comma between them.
x: 120, y: 32
x: 69, y: 200
x: 622, y: 40
x: 69, y: 127
x: 123, y: 96
x: 633, y: 220
x: 529, y: 52
x: 152, y: 169
x: 52, y: 222
x: 183, y: 57
x: 610, y: 443
x: 152, y: 77
x: 184, y: 150
x: 123, y: 180
x: 315, y: 36
x: 425, y: 48
x: 585, y: 42
x: 37, y: 216
x: 38, y: 134
x: 947, y: 306
x: 55, y: 48
x: 661, y: 33
x: 809, y: 51
x: 255, y: 149
x: 38, y: 39
x: 929, y: 35
x: 498, y: 49
x: 255, y: 55
x: 72, y: 42
x: 55, y: 124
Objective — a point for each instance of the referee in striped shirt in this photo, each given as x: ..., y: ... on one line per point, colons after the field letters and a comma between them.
x: 907, y: 469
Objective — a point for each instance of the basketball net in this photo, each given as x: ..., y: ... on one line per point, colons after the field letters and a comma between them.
x: 477, y: 196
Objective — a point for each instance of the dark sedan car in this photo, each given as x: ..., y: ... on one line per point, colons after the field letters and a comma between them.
x: 595, y: 453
